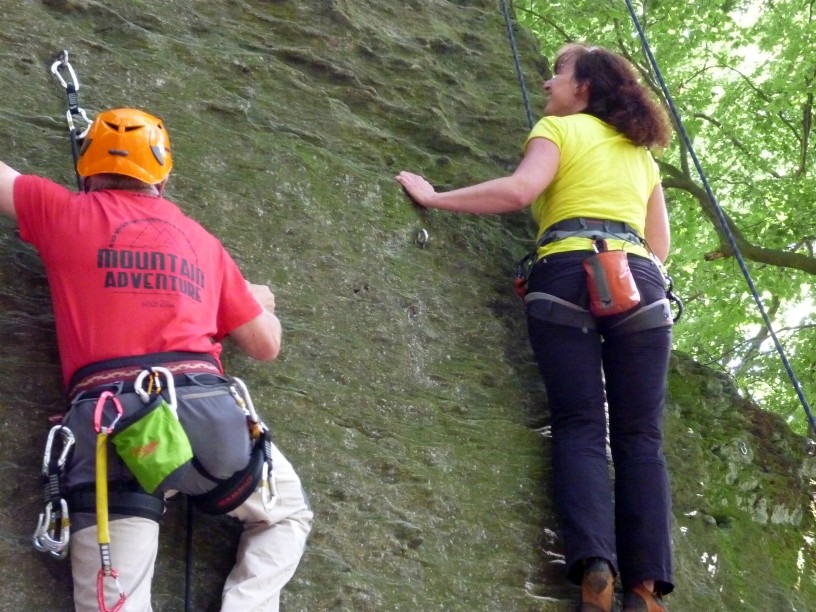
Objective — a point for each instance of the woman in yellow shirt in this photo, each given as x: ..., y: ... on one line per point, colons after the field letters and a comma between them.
x: 594, y: 187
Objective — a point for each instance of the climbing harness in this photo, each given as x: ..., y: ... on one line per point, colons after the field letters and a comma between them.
x: 103, y: 529
x: 230, y: 493
x: 561, y: 312
x: 53, y: 527
x: 71, y: 85
x: 594, y: 229
x: 555, y: 310
x: 721, y: 217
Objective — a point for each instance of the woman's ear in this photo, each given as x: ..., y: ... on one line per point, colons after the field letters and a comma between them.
x: 582, y: 92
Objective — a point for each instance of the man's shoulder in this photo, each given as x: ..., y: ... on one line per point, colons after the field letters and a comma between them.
x: 32, y: 188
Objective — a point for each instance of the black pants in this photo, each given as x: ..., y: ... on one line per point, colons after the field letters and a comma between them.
x: 585, y: 371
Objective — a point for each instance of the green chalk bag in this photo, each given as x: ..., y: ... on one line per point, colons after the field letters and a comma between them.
x: 152, y: 443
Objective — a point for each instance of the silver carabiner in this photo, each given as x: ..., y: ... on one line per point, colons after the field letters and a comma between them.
x: 62, y: 61
x: 67, y: 441
x: 245, y: 401
x: 71, y: 87
x: 45, y: 539
x: 153, y: 373
x: 41, y: 532
x: 269, y: 487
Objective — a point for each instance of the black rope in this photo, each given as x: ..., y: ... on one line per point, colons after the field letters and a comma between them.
x: 188, y: 566
x: 721, y: 217
x: 509, y: 24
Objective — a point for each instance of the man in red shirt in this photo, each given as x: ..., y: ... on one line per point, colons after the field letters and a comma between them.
x: 139, y: 288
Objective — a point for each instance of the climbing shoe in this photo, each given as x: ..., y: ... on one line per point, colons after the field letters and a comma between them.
x: 641, y: 599
x: 597, y: 586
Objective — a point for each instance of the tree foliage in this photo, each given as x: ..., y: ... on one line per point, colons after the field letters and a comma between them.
x: 741, y: 76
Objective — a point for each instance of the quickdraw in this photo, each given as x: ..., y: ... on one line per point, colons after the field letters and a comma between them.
x: 257, y: 429
x: 71, y: 86
x: 53, y: 531
x: 103, y: 528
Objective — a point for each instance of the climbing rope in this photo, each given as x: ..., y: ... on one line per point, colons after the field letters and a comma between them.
x: 508, y: 22
x: 720, y: 216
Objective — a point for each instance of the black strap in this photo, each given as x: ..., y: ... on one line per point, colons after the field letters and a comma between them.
x: 127, y: 503
x: 594, y: 229
x: 235, y: 490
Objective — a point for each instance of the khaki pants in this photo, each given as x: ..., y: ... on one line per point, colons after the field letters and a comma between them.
x: 269, y: 551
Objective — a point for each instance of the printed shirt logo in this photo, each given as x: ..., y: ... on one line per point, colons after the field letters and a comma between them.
x: 151, y: 256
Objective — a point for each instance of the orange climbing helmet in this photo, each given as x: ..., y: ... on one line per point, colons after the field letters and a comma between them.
x: 129, y: 142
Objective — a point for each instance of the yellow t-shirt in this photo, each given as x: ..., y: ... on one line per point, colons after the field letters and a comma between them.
x: 601, y: 175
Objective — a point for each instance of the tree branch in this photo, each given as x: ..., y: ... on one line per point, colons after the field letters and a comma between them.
x: 674, y: 179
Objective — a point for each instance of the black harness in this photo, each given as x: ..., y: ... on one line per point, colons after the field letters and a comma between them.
x: 555, y: 310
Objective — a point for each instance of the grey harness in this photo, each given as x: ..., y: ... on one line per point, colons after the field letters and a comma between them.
x: 552, y: 309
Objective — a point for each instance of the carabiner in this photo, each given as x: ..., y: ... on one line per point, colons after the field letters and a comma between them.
x: 669, y: 284
x: 62, y: 62
x: 100, y: 408
x: 154, y: 386
x: 71, y: 88
x: 100, y: 590
x: 45, y: 539
x: 245, y: 401
x: 269, y: 487
x: 67, y: 441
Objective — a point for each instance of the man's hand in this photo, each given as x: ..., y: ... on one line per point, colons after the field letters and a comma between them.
x: 260, y: 338
x: 7, y: 176
x: 264, y: 296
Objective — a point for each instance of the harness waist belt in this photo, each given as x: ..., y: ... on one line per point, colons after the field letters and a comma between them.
x: 126, y: 369
x: 595, y: 229
x: 127, y: 503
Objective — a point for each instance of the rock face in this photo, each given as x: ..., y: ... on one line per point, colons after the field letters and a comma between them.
x: 406, y: 390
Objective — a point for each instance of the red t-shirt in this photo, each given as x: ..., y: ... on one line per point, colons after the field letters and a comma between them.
x: 129, y: 274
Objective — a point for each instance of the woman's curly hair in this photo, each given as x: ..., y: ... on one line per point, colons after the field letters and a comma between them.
x: 616, y: 95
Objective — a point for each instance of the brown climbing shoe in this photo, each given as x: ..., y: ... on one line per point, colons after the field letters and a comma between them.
x: 641, y: 599
x: 597, y: 586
